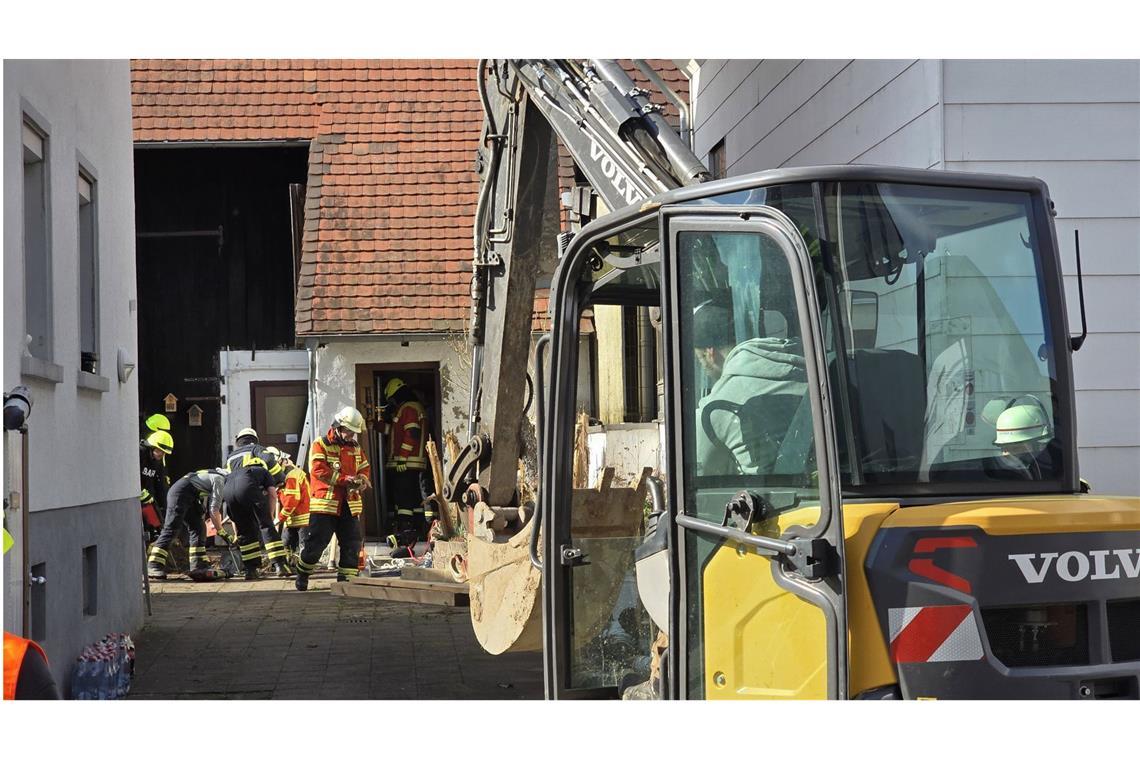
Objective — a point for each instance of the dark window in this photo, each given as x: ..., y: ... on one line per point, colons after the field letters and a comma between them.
x: 37, y: 254
x: 90, y: 580
x: 88, y: 275
x: 718, y: 163
x: 39, y: 602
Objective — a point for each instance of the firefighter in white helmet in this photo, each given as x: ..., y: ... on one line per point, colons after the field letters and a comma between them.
x: 1022, y: 434
x: 338, y: 473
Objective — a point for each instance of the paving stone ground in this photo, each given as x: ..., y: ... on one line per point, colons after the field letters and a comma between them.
x: 262, y: 639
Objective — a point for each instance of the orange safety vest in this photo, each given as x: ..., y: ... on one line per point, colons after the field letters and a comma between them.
x: 294, y: 499
x: 330, y: 465
x: 15, y: 648
x: 406, y: 439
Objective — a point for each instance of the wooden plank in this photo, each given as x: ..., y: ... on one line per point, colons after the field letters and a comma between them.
x: 396, y: 581
x: 398, y: 594
x: 427, y: 574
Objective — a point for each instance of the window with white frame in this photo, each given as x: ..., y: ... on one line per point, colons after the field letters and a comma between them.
x: 88, y: 275
x: 37, y: 250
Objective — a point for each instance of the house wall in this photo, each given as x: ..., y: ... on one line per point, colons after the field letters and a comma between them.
x: 1074, y: 124
x: 809, y: 112
x: 87, y: 423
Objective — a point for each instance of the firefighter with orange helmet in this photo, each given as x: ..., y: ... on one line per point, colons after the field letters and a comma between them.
x: 338, y: 472
x: 407, y: 467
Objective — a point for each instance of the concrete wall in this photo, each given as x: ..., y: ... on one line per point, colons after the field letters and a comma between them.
x: 1075, y: 124
x: 86, y: 424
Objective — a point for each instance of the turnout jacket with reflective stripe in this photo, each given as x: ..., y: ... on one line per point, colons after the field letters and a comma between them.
x: 330, y: 466
x: 294, y: 499
x: 406, y: 438
x: 255, y: 455
x: 209, y: 483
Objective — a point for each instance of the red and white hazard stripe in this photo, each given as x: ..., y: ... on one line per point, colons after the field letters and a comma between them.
x: 947, y: 633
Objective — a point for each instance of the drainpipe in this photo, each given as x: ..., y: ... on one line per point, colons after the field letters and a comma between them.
x: 311, y: 345
x: 25, y: 513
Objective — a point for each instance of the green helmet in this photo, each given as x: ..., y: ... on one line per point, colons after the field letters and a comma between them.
x: 392, y: 386
x: 1022, y: 423
x: 161, y: 440
x: 157, y: 422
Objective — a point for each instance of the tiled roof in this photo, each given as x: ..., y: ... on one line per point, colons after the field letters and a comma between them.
x: 391, y: 188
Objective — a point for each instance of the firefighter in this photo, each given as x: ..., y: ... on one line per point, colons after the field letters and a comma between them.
x: 192, y: 497
x: 249, y: 453
x: 338, y: 472
x: 250, y: 494
x: 407, y: 466
x: 152, y: 454
x: 294, y: 513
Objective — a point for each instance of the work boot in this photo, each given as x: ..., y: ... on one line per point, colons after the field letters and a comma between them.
x: 201, y: 565
x: 281, y: 570
x: 251, y: 574
x: 341, y: 579
x: 302, y: 582
x: 155, y: 572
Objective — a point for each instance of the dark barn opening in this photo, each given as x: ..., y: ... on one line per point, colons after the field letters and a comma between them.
x: 214, y: 248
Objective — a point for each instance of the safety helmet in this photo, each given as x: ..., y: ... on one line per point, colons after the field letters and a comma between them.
x: 276, y: 452
x: 392, y: 386
x: 246, y: 432
x: 349, y: 418
x: 1021, y: 423
x: 157, y: 422
x: 161, y: 440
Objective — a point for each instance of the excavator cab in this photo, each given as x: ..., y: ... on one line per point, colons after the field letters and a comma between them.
x: 832, y: 507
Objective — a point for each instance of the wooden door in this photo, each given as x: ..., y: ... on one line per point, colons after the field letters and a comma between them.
x: 279, y: 409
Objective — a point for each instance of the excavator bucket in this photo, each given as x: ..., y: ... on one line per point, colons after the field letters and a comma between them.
x: 505, y: 588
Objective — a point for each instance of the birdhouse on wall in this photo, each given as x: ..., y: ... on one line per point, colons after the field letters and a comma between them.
x: 195, y: 415
x: 171, y: 402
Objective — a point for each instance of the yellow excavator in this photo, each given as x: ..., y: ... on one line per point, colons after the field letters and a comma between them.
x: 855, y: 472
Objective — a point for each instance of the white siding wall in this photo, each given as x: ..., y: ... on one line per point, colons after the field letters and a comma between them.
x: 1074, y: 124
x: 801, y: 113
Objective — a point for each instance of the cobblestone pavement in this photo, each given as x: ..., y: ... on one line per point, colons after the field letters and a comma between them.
x: 262, y: 639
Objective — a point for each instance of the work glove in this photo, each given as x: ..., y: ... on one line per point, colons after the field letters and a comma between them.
x: 226, y: 536
x: 401, y: 467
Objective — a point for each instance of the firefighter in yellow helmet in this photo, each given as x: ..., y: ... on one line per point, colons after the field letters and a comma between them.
x: 152, y: 459
x: 338, y: 473
x: 406, y: 468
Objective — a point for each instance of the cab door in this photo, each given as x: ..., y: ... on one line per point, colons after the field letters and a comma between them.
x: 757, y: 607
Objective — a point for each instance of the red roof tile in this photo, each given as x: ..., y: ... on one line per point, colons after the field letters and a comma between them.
x: 391, y: 186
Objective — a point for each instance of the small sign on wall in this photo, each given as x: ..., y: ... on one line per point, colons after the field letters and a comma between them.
x: 195, y: 415
x: 171, y: 402
x: 291, y: 437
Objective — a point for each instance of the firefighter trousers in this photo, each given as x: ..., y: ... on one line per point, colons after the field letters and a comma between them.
x: 408, y: 490
x: 269, y: 535
x: 242, y: 502
x: 182, y: 508
x: 316, y: 535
